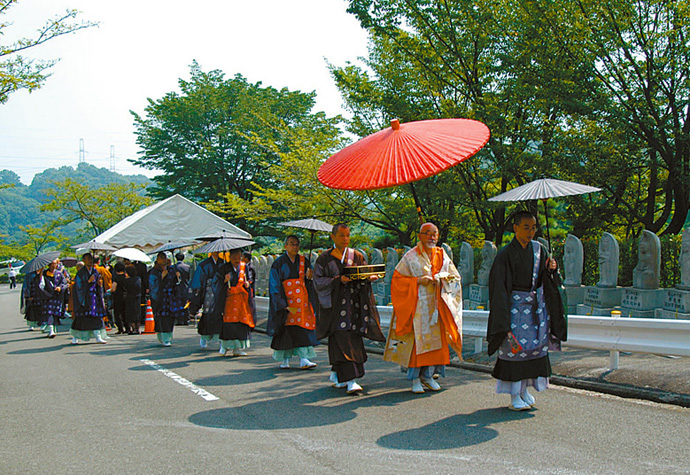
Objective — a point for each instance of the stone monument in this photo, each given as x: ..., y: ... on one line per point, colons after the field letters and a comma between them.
x: 606, y: 295
x: 378, y: 286
x: 448, y: 250
x: 573, y: 261
x: 644, y: 297
x: 466, y: 270
x: 479, y: 292
x: 262, y: 277
x: 545, y: 243
x: 676, y: 302
x: 391, y: 262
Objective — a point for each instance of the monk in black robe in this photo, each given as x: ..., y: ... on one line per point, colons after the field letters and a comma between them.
x: 208, y: 291
x: 291, y: 317
x: 526, y: 316
x: 347, y: 311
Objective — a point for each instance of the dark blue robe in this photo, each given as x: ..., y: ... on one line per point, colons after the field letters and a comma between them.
x: 166, y: 300
x: 208, y: 291
x: 89, y: 308
x: 291, y: 336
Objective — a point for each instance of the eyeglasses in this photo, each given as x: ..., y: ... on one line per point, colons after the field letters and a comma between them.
x: 430, y: 234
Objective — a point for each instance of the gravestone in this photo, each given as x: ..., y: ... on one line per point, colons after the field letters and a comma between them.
x: 466, y: 270
x: 378, y: 286
x: 573, y: 261
x: 262, y: 284
x: 391, y: 262
x: 644, y: 297
x: 676, y: 302
x: 479, y: 292
x: 606, y: 296
x: 448, y: 250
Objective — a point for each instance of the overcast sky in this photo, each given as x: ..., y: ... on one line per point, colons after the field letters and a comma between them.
x: 140, y: 50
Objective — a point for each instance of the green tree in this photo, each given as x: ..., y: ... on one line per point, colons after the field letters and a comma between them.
x: 98, y: 208
x: 295, y: 192
x: 203, y: 138
x: 460, y: 58
x: 38, y: 238
x: 18, y: 72
x: 629, y: 121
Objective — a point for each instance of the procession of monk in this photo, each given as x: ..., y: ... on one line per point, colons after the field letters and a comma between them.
x: 328, y: 302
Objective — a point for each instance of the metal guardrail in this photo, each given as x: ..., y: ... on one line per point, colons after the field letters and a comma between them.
x: 613, y: 334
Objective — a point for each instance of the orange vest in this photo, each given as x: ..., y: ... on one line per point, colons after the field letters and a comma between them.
x: 297, y: 296
x: 237, y: 309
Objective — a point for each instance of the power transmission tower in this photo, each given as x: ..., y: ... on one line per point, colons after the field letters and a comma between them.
x: 82, y: 153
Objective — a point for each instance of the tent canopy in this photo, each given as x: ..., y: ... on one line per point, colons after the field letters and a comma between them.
x: 173, y: 219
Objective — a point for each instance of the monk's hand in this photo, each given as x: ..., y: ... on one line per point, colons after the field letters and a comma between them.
x: 292, y: 310
x: 92, y: 279
x: 227, y: 277
x: 164, y: 273
x: 344, y: 279
x: 310, y: 274
x: 425, y: 280
x: 372, y: 278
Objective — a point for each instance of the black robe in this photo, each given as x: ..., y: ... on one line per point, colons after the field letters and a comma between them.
x: 512, y: 270
x: 347, y: 312
x: 89, y: 308
x: 208, y: 291
x: 290, y: 336
x: 234, y: 330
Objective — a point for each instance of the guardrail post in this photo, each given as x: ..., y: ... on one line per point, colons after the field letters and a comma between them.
x: 614, y: 356
x: 614, y: 360
x: 478, y: 345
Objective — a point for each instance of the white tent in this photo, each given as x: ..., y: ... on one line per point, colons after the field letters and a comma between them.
x: 174, y: 219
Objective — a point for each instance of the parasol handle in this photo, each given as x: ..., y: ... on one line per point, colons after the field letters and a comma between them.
x: 418, y: 205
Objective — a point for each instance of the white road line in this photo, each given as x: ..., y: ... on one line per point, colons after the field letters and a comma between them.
x: 207, y: 396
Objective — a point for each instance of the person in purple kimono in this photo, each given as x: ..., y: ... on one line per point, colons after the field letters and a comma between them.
x: 53, y: 286
x: 89, y: 308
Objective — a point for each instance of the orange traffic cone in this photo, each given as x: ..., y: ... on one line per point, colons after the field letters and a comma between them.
x: 149, y: 323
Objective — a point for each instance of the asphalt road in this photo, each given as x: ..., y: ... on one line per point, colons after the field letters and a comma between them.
x: 132, y: 406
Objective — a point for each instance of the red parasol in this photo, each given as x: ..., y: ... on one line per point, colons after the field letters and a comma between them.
x: 403, y: 153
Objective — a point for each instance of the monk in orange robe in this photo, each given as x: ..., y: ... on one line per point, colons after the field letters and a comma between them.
x: 238, y: 318
x: 427, y: 312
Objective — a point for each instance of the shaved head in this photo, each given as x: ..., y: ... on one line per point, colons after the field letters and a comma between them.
x: 428, y: 226
x: 428, y: 235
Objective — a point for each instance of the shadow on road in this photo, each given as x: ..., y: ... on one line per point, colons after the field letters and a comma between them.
x: 315, y: 408
x: 461, y: 430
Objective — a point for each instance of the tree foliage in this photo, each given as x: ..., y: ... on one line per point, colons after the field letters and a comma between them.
x: 584, y: 90
x: 16, y: 70
x: 635, y: 57
x: 202, y: 138
x: 99, y: 207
